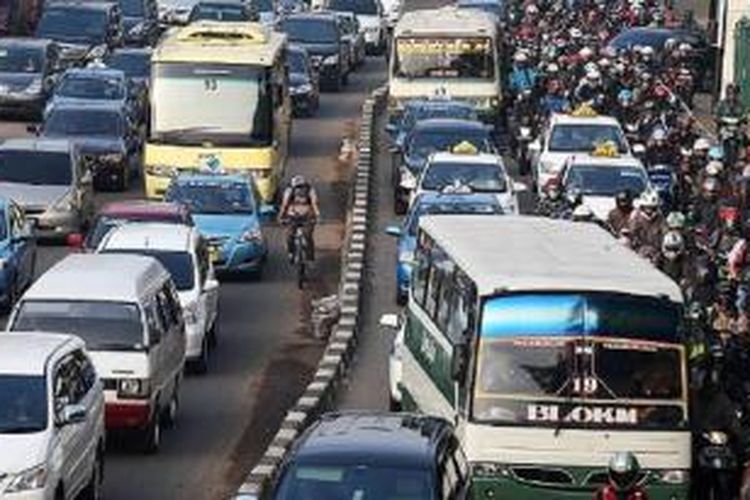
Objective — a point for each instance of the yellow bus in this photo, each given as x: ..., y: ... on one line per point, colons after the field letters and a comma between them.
x: 219, y: 101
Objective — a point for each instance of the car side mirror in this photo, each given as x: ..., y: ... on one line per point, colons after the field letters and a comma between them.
x: 72, y: 414
x: 74, y: 240
x: 458, y: 362
x: 535, y: 146
x: 393, y: 230
x: 390, y: 321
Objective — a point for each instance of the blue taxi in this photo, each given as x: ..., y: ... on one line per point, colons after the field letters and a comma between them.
x: 432, y: 203
x: 17, y: 253
x: 227, y: 211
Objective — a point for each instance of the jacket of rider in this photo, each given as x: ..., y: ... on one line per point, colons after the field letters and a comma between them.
x: 608, y: 492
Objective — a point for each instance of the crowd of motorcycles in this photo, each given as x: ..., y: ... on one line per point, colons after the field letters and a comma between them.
x: 694, y: 225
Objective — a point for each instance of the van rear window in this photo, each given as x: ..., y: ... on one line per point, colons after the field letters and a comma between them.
x: 104, y: 326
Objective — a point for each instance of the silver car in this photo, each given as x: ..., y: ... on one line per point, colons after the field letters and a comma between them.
x: 48, y: 179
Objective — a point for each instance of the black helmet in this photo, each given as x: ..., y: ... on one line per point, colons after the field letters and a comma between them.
x: 624, y: 470
x: 624, y: 199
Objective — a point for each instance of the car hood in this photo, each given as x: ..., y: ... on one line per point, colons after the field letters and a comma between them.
x: 321, y: 49
x: 28, y: 195
x: 74, y: 50
x: 600, y: 205
x: 21, y: 451
x: 222, y: 225
x: 98, y: 145
x: 62, y: 100
x: 18, y: 81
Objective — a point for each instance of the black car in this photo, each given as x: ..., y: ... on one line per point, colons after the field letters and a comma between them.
x: 136, y: 64
x: 223, y: 10
x: 28, y: 71
x: 375, y: 455
x: 703, y: 57
x: 320, y: 34
x: 108, y: 140
x: 140, y: 22
x: 303, y: 82
x: 84, y: 30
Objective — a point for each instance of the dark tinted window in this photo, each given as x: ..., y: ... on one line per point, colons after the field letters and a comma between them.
x: 427, y: 141
x: 21, y: 59
x: 220, y: 12
x: 363, y: 7
x: 23, y: 404
x: 90, y: 87
x: 311, y: 30
x: 83, y: 122
x: 71, y: 24
x: 133, y: 8
x: 218, y: 198
x: 36, y: 167
x: 133, y: 64
x: 480, y: 178
x: 109, y: 326
x: 179, y: 264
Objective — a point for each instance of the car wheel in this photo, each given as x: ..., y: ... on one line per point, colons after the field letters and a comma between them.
x: 12, y: 297
x: 93, y: 490
x: 401, y: 298
x: 213, y: 334
x: 152, y: 434
x: 60, y: 493
x: 200, y: 365
x: 173, y: 409
x: 399, y: 206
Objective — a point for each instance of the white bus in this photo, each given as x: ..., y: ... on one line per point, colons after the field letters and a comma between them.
x: 552, y: 347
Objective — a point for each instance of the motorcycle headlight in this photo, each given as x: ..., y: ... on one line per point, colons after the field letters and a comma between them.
x: 717, y: 438
x: 408, y: 180
x: 331, y: 60
x: 34, y: 87
x: 485, y: 469
x: 29, y: 479
x: 674, y: 477
x: 112, y: 157
x: 252, y: 236
x: 132, y: 388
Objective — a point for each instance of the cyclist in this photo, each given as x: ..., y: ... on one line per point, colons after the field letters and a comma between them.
x: 299, y: 207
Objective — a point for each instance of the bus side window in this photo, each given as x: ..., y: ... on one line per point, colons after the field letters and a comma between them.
x: 447, y: 288
x: 437, y: 269
x: 461, y: 303
x: 421, y: 271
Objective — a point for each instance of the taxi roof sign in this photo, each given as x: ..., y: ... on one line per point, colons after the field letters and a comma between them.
x: 584, y: 111
x: 606, y: 149
x: 465, y: 148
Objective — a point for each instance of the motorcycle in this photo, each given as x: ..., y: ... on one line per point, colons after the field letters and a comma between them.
x: 730, y: 134
x: 524, y: 126
x: 663, y: 180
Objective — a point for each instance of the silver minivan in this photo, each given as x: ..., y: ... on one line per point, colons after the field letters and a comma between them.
x: 126, y: 309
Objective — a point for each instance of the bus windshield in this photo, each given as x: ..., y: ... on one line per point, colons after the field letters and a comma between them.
x: 232, y: 105
x: 445, y: 58
x: 572, y: 365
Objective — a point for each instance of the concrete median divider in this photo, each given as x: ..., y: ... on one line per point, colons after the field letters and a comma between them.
x: 320, y: 394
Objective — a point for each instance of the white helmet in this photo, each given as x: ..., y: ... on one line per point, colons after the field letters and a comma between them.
x: 575, y: 33
x: 649, y: 199
x: 532, y: 9
x: 659, y: 134
x: 603, y: 62
x: 520, y: 56
x: 585, y: 53
x: 647, y: 50
x: 714, y: 168
x: 553, y: 68
x: 672, y: 245
x: 593, y: 74
x: 701, y: 144
x: 676, y: 221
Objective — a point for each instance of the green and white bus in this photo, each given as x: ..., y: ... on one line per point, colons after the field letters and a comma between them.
x: 551, y: 347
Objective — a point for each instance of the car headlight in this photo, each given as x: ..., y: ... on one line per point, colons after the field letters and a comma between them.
x: 331, y: 60
x: 408, y: 180
x: 132, y: 388
x: 112, y: 157
x: 159, y: 170
x: 252, y: 236
x: 485, y: 469
x: 29, y: 479
x: 305, y: 88
x: 674, y: 477
x: 34, y: 87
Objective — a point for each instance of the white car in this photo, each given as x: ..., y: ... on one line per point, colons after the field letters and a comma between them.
x: 599, y: 178
x: 474, y: 172
x: 52, y: 433
x: 184, y: 253
x: 571, y: 134
x: 371, y: 19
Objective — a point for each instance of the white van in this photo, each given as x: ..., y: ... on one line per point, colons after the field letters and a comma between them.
x: 184, y: 253
x: 126, y: 309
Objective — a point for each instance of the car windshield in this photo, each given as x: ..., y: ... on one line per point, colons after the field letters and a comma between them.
x: 90, y: 87
x: 355, y: 481
x: 179, y: 264
x: 73, y: 24
x: 425, y: 142
x: 219, y: 12
x: 480, y: 178
x: 213, y: 198
x: 451, y: 58
x: 263, y: 5
x: 23, y: 404
x: 361, y: 7
x: 40, y: 168
x: 104, y: 326
x: 494, y: 8
x: 416, y: 114
x: 21, y: 60
x: 569, y: 138
x: 133, y: 64
x: 605, y: 180
x: 83, y: 122
x: 449, y: 207
x: 310, y: 30
x: 133, y: 8
x: 297, y: 62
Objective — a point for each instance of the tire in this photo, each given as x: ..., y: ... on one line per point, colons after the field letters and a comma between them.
x: 151, y: 437
x: 93, y: 490
x: 213, y: 334
x: 59, y: 493
x: 401, y: 298
x: 301, y: 273
x: 172, y: 411
x: 200, y: 365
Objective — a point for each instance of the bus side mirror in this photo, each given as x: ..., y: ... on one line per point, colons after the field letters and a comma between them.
x: 458, y: 362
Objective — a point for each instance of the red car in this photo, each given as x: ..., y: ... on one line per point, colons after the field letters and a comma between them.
x: 125, y: 212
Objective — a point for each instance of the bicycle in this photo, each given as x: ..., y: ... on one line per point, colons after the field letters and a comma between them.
x: 300, y: 249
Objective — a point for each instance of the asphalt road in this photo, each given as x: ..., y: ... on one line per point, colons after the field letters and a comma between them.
x: 266, y: 354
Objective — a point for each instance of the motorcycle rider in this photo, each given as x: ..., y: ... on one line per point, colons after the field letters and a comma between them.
x: 619, y: 216
x: 659, y: 151
x: 674, y: 262
x: 523, y: 76
x: 646, y: 226
x: 552, y: 204
x: 731, y: 106
x: 623, y: 473
x: 299, y: 206
x: 554, y: 101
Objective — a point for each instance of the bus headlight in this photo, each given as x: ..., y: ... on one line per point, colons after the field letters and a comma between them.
x: 674, y: 477
x: 159, y: 170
